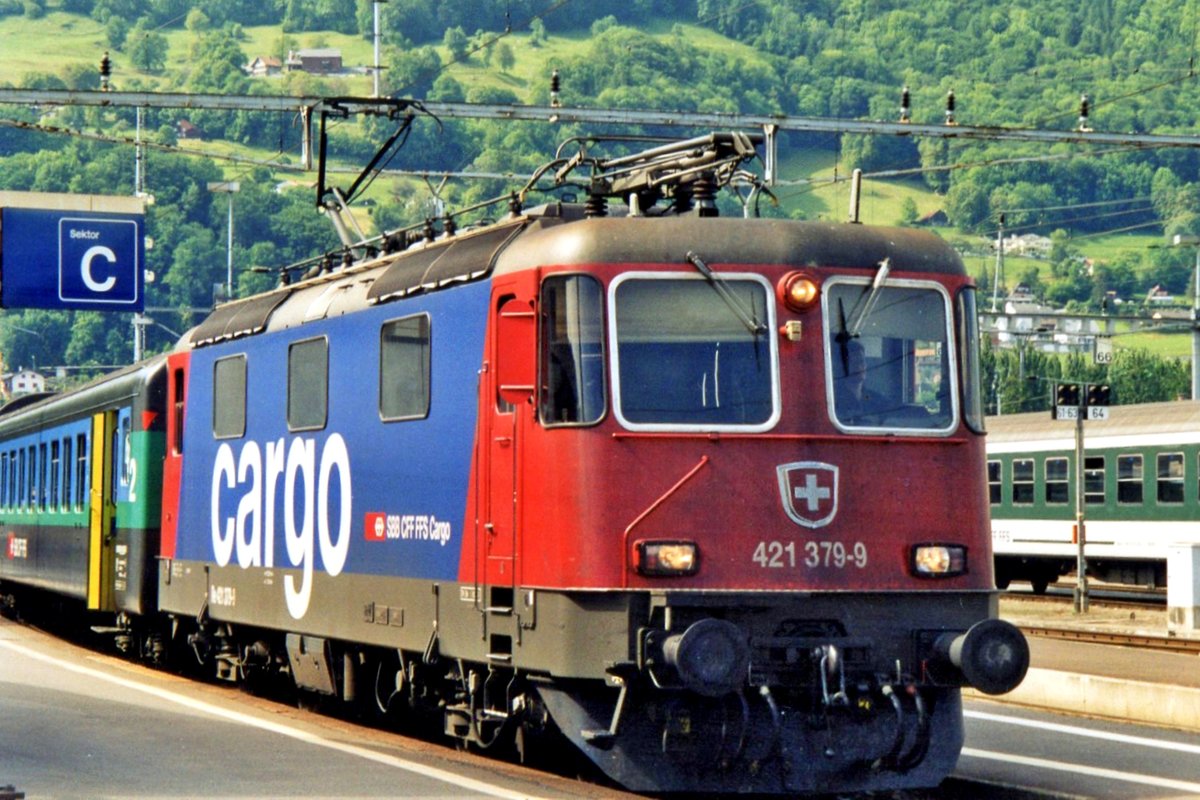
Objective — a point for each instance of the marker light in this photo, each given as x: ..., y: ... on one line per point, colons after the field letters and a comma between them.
x: 798, y: 291
x: 666, y: 557
x: 939, y: 560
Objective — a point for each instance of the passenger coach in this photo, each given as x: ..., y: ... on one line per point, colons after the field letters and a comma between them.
x: 1141, y: 475
x: 80, y: 482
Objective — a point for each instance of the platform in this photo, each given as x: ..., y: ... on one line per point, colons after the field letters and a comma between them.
x: 1125, y: 683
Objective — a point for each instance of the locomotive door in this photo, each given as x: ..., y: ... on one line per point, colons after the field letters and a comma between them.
x: 511, y: 385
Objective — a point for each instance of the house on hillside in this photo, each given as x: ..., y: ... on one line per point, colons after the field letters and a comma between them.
x: 263, y: 66
x: 1159, y: 296
x: 26, y: 381
x: 184, y: 129
x: 934, y: 219
x: 1029, y: 244
x: 317, y: 61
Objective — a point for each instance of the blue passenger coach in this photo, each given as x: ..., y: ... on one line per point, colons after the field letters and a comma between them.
x: 79, y: 499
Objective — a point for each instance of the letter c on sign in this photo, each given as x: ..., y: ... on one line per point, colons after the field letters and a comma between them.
x: 86, y: 268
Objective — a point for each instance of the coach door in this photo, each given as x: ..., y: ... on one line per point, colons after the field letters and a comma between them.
x: 102, y: 512
x: 511, y: 383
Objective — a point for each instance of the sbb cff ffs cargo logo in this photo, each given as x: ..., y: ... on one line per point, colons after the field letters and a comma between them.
x: 809, y: 491
x: 71, y: 260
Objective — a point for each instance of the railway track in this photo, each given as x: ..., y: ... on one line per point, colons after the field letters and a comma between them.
x: 1171, y: 644
x: 1120, y: 616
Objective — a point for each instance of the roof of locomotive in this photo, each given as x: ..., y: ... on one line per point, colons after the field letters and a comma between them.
x: 560, y: 235
x: 731, y: 240
x: 1038, y: 431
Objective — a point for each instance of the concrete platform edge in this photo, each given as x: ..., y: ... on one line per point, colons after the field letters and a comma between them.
x: 1111, y: 698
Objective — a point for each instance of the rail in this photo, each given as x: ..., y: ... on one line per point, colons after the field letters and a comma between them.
x: 1171, y: 644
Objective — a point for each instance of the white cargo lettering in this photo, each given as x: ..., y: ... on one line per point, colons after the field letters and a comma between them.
x: 307, y: 527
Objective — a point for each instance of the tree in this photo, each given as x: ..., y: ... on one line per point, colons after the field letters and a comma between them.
x: 115, y: 32
x: 456, y: 42
x: 506, y: 57
x: 537, y: 32
x: 147, y: 49
x: 197, y: 21
x: 216, y: 64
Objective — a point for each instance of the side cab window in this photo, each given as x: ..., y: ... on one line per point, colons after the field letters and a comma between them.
x: 571, y: 385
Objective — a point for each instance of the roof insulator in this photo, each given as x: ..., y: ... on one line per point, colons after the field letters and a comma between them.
x: 950, y: 108
x: 905, y: 105
x: 105, y: 71
x: 555, y: 87
x: 1084, y: 103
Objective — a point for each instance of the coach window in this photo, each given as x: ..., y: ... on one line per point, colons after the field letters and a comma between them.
x: 81, y: 470
x: 572, y: 351
x: 43, y: 484
x: 229, y: 397
x: 1058, y: 481
x: 68, y: 464
x: 21, y: 498
x: 404, y: 352
x: 1022, y: 483
x: 1129, y: 480
x: 995, y: 485
x: 308, y: 385
x: 1093, y: 480
x: 4, y: 480
x: 1170, y: 478
x: 55, y: 471
x: 124, y: 450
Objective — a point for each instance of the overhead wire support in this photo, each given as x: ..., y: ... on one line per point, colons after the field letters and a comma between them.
x: 594, y: 116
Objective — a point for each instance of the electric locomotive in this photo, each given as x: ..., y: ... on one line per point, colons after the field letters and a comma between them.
x: 699, y: 493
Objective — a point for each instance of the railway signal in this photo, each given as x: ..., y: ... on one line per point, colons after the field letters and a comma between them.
x: 1079, y: 402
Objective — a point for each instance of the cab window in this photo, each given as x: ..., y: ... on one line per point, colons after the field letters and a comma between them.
x: 889, y: 355
x: 690, y: 354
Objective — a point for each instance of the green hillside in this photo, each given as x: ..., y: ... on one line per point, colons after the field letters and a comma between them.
x: 1013, y: 64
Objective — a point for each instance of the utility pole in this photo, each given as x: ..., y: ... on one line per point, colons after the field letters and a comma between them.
x: 378, y: 39
x: 999, y: 263
x: 1185, y: 240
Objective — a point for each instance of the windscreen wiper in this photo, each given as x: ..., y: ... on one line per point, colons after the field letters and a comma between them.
x: 864, y: 309
x: 746, y: 315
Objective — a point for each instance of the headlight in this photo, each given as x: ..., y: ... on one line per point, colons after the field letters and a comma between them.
x: 939, y: 560
x: 666, y: 557
x: 798, y: 291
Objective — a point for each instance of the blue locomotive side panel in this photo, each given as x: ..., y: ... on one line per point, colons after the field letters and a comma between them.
x: 356, y: 494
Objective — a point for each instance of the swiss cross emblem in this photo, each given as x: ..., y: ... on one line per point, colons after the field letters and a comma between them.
x: 809, y: 490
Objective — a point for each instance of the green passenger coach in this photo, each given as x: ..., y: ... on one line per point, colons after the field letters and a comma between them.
x: 1141, y: 491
